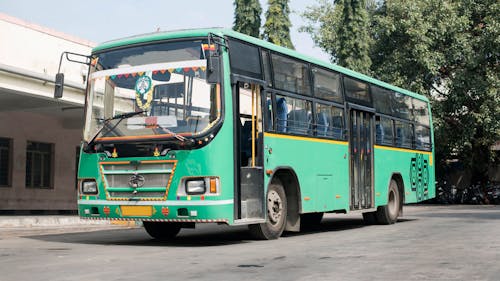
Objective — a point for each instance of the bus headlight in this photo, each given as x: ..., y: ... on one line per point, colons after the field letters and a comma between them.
x: 195, y: 186
x: 89, y: 187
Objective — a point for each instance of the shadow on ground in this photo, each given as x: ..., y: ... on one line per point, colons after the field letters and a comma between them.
x: 202, y: 236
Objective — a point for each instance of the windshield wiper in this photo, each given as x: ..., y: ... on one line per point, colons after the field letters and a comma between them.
x: 106, y: 121
x: 177, y: 136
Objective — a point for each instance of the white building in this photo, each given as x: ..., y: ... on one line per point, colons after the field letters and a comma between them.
x: 39, y: 135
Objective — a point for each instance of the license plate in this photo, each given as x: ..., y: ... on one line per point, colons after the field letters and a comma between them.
x: 136, y: 211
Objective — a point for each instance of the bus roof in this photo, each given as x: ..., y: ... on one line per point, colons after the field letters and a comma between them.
x: 187, y: 33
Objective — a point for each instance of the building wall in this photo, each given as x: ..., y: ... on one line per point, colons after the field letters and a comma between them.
x: 28, y: 111
x: 25, y: 126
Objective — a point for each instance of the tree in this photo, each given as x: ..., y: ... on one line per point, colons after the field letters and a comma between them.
x: 247, y: 17
x: 354, y: 39
x: 445, y: 49
x: 277, y: 26
x: 343, y: 31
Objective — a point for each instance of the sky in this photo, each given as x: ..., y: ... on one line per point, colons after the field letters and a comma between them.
x: 103, y: 20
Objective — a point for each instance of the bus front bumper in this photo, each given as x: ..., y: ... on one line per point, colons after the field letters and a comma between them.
x: 197, y: 211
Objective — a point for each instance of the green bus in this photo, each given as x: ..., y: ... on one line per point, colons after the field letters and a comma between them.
x: 213, y: 126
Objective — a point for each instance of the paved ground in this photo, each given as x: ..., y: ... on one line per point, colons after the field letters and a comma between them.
x: 428, y: 243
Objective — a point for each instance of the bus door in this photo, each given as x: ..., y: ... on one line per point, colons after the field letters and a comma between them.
x: 249, y: 189
x: 361, y: 159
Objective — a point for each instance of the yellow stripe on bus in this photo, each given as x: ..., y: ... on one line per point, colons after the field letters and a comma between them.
x: 402, y: 149
x: 271, y: 135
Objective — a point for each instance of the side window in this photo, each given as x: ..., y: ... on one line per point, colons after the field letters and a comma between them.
x: 327, y: 85
x: 422, y: 138
x: 357, y: 91
x: 383, y: 131
x: 421, y: 112
x: 382, y: 100
x: 268, y: 114
x: 401, y: 106
x: 244, y: 59
x: 267, y: 68
x: 290, y: 75
x: 329, y: 121
x: 404, y: 134
x: 298, y: 115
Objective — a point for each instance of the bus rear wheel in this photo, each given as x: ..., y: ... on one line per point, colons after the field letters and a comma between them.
x: 389, y: 213
x: 163, y: 231
x: 276, y: 214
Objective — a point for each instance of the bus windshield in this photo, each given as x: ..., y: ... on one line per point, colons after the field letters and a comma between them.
x: 159, y: 88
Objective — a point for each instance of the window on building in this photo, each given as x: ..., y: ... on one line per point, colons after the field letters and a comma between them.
x: 39, y: 165
x: 290, y: 75
x: 5, y: 161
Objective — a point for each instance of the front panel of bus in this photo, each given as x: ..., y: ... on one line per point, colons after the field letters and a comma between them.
x: 157, y: 145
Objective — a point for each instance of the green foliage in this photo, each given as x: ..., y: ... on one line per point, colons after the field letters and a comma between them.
x: 354, y: 40
x: 342, y: 30
x: 247, y: 17
x: 445, y: 49
x: 277, y: 26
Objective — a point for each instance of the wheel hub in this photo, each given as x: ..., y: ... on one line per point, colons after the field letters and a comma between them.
x: 274, y: 207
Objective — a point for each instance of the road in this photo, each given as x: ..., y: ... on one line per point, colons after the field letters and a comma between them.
x: 428, y: 243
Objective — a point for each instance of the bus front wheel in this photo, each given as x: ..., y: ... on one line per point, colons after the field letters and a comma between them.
x: 162, y: 231
x: 276, y: 214
x: 389, y: 213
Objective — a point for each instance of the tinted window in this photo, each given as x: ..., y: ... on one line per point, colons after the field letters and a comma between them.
x: 401, y: 106
x: 421, y: 112
x: 290, y: 75
x: 404, y: 134
x: 151, y: 53
x: 356, y: 91
x: 422, y: 138
x: 329, y: 121
x: 381, y: 100
x: 327, y: 85
x: 245, y: 59
x: 383, y: 131
x: 267, y: 68
x: 297, y: 119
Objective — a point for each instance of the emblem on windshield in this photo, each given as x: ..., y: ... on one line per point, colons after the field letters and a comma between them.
x: 136, y: 181
x: 143, y: 85
x: 143, y: 92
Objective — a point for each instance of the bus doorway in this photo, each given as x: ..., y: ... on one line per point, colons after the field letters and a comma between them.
x: 361, y: 163
x: 249, y: 138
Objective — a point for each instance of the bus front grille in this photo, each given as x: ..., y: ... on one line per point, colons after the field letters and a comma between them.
x: 137, y: 179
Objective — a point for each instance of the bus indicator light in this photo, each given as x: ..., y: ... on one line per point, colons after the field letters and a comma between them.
x: 213, y: 185
x: 106, y: 210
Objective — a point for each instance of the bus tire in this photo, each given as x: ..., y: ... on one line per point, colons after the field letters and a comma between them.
x: 162, y: 231
x: 310, y: 220
x: 276, y: 214
x: 389, y: 213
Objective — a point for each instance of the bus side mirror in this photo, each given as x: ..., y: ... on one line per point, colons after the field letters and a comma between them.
x: 58, y: 90
x: 213, y: 70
